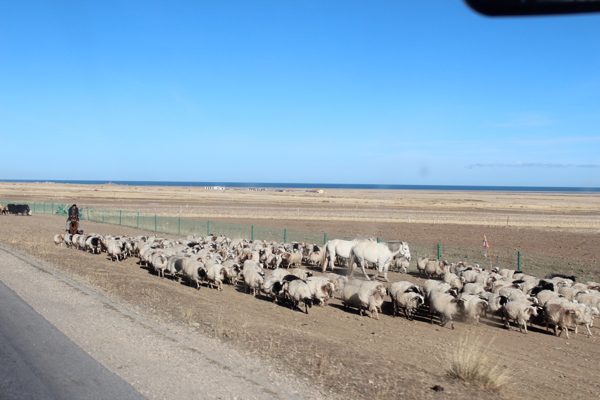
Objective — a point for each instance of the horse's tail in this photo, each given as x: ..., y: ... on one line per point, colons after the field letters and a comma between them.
x: 351, y: 258
x: 323, y: 261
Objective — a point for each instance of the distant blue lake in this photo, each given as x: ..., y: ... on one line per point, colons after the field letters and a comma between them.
x: 325, y: 186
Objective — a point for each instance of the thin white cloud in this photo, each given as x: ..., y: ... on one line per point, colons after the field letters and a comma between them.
x: 531, y: 165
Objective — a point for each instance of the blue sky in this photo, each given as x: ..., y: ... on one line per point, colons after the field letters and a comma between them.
x: 382, y: 92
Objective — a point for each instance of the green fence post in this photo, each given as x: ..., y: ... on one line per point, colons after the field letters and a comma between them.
x: 252, y: 233
x: 439, y: 251
x: 120, y: 213
x: 207, y: 228
x: 378, y: 240
x: 284, y: 235
x: 324, y: 239
x: 179, y: 227
x: 52, y: 208
x: 137, y: 225
x: 155, y: 224
x: 518, y: 260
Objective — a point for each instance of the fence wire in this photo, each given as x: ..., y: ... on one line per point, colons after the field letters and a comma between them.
x: 537, y: 265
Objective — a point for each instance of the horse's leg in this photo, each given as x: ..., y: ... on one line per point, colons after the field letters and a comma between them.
x: 362, y: 265
x: 383, y: 266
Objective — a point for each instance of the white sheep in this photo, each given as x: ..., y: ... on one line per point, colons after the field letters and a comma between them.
x: 194, y: 271
x: 280, y: 273
x: 338, y: 280
x: 299, y: 292
x: 454, y: 280
x: 435, y: 268
x: 473, y: 288
x: 321, y: 288
x: 495, y: 303
x: 559, y: 316
x: 546, y: 295
x: 584, y: 315
x: 115, y: 250
x: 520, y: 312
x: 158, y: 261
x: 430, y: 286
x: 507, y: 273
x: 589, y: 299
x: 59, y: 239
x: 400, y: 263
x: 367, y: 295
x: 273, y: 286
x: 67, y: 239
x: 253, y: 279
x: 300, y: 273
x: 569, y: 292
x: 215, y: 274
x: 445, y: 305
x: 406, y: 296
x: 251, y: 265
x: 474, y: 307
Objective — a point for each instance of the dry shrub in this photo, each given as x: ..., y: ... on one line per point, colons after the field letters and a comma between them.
x: 470, y: 361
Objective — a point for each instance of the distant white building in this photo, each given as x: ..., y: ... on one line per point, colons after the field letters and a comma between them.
x: 214, y: 188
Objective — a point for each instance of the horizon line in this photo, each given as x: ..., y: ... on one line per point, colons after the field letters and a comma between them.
x: 300, y: 185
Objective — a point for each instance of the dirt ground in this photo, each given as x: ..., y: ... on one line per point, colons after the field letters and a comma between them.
x: 342, y: 353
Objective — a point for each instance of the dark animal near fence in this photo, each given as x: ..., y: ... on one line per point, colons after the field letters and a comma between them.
x: 18, y: 209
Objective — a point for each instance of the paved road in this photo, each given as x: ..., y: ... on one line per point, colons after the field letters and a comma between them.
x: 160, y: 360
x: 39, y: 362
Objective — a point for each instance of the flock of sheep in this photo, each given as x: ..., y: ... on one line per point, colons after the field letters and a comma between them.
x: 459, y: 289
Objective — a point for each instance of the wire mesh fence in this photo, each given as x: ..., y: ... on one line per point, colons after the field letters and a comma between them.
x: 537, y: 265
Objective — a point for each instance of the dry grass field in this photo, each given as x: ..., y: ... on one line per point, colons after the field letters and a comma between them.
x: 547, y: 211
x: 346, y: 355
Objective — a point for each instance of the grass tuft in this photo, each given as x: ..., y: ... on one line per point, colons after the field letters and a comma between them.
x: 470, y: 361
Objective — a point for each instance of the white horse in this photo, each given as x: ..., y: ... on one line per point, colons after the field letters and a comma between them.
x: 376, y: 253
x: 337, y: 247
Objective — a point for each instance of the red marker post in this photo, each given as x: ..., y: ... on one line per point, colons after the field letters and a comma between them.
x: 486, y: 247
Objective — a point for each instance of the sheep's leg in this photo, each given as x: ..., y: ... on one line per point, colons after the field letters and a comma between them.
x: 588, y: 329
x: 522, y: 324
x: 444, y: 321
